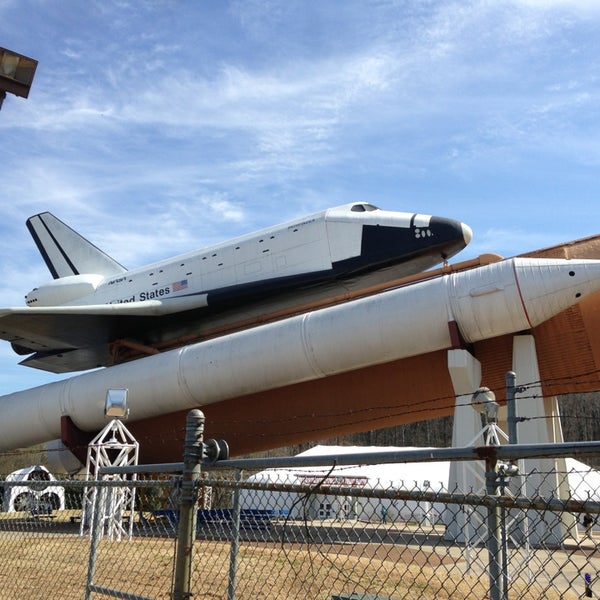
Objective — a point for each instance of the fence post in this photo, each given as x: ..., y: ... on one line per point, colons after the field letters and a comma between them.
x: 97, y: 511
x: 512, y: 420
x: 235, y: 536
x: 494, y: 548
x: 511, y: 407
x: 186, y: 533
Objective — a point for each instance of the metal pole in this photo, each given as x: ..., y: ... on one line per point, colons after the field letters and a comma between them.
x: 505, y: 452
x: 511, y: 407
x: 494, y: 549
x: 97, y: 512
x: 186, y: 534
x: 235, y: 537
x: 504, y: 539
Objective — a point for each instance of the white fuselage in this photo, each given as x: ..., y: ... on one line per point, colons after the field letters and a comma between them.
x: 325, y: 245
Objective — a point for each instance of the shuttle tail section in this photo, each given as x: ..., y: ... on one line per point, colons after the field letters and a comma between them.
x: 65, y: 252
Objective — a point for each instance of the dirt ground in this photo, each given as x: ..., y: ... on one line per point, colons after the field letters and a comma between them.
x: 50, y: 560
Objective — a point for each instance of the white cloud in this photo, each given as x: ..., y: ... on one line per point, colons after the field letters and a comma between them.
x: 580, y: 6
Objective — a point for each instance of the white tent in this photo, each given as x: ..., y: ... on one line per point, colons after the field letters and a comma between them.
x: 400, y: 476
x: 584, y: 483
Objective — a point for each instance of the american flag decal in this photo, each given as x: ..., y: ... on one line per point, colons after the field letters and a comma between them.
x: 180, y: 285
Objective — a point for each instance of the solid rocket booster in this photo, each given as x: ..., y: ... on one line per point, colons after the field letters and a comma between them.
x: 496, y: 299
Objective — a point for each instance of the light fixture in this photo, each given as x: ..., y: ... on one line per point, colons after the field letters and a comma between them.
x: 16, y: 74
x: 115, y: 406
x: 484, y: 402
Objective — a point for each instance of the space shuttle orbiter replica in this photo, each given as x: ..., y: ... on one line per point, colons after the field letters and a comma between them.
x: 71, y: 322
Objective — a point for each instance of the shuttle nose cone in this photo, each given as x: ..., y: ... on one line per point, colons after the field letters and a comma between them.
x: 467, y: 233
x: 448, y: 235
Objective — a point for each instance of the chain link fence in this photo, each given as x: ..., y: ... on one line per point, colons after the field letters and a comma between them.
x: 328, y: 531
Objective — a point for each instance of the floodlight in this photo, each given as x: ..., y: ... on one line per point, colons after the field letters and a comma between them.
x: 16, y: 74
x: 484, y: 402
x: 481, y: 397
x: 8, y: 65
x: 116, y: 405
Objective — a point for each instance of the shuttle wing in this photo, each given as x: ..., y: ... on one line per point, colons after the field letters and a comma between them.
x: 70, y: 338
x: 54, y: 336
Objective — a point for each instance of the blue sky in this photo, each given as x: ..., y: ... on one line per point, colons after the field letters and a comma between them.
x: 158, y: 127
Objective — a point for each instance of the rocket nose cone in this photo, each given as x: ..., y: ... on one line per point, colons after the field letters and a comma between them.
x: 467, y: 233
x: 549, y: 286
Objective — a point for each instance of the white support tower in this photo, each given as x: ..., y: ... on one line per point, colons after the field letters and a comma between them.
x: 465, y: 526
x: 540, y: 424
x: 114, y: 446
x: 545, y: 477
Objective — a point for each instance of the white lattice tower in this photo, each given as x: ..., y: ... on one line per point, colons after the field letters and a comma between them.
x: 114, y: 446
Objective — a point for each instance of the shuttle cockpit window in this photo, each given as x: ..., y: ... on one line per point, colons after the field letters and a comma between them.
x: 363, y: 207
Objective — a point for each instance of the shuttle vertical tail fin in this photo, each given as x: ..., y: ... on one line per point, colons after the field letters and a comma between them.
x: 65, y: 252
